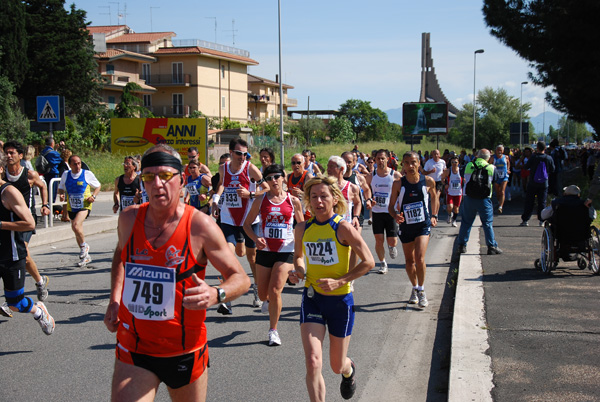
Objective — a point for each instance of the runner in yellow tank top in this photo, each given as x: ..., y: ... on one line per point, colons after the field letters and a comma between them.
x: 327, y: 303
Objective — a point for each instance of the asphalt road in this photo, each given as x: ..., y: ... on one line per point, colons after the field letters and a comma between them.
x: 401, y: 352
x: 543, y: 329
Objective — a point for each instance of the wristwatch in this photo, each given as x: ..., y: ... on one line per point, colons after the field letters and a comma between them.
x: 434, y: 216
x: 220, y: 294
x: 252, y: 194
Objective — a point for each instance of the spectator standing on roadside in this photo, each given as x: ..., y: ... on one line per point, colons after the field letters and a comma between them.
x: 478, y: 201
x: 558, y: 155
x: 16, y: 218
x: 541, y: 167
x: 127, y: 186
x: 51, y: 171
x: 81, y: 188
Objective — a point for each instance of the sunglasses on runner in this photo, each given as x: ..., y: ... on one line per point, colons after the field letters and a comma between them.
x: 239, y: 153
x: 163, y: 176
x: 296, y: 163
x: 273, y: 178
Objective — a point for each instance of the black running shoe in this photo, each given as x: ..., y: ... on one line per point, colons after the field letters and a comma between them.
x: 462, y: 249
x: 224, y: 309
x: 348, y: 385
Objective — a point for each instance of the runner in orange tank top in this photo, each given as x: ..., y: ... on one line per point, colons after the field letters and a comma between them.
x: 158, y: 297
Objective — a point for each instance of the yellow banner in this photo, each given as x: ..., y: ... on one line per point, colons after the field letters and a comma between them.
x: 135, y: 136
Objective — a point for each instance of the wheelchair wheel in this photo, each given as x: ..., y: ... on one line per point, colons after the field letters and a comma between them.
x: 537, y: 264
x: 582, y: 263
x: 595, y: 251
x: 547, y: 252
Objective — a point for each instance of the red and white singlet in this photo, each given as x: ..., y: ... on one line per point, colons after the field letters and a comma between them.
x: 276, y: 224
x: 235, y: 208
x: 348, y: 215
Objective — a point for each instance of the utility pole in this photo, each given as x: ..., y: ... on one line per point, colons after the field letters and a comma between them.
x: 109, y: 16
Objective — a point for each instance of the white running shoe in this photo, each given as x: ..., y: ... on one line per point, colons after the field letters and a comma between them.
x: 5, y: 310
x: 393, y: 252
x: 46, y: 321
x: 383, y: 268
x: 85, y: 249
x: 265, y: 307
x: 274, y: 339
x: 449, y: 220
x: 42, y: 290
x: 422, y: 299
x: 85, y: 261
x: 414, y: 297
x: 454, y: 224
x: 256, y: 302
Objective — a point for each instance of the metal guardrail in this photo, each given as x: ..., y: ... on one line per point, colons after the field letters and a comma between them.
x: 51, y: 202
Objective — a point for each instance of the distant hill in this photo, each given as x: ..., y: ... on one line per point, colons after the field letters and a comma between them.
x: 541, y: 125
x: 395, y: 116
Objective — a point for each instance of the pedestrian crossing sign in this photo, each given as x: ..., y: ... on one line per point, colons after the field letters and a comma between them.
x: 48, y: 109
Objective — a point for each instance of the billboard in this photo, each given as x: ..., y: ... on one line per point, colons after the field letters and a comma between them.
x: 425, y: 118
x: 134, y: 136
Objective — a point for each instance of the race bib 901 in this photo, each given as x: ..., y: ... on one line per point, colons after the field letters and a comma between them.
x: 149, y: 292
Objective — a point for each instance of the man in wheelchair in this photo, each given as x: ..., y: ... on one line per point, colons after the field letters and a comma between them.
x: 568, y: 221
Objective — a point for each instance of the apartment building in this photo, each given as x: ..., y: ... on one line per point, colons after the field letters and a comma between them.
x: 263, y: 98
x: 179, y: 77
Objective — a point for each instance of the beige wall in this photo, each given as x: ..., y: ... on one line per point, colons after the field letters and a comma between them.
x: 208, y: 86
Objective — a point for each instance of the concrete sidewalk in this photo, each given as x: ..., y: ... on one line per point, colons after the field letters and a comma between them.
x: 101, y: 219
x: 520, y: 334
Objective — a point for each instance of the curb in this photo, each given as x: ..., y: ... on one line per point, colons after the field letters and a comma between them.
x: 55, y: 234
x: 470, y: 363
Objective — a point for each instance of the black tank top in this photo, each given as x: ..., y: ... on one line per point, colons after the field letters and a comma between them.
x: 21, y: 182
x: 127, y: 191
x: 12, y: 246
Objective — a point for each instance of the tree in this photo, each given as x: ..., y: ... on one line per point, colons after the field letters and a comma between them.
x: 340, y: 130
x: 572, y: 132
x: 13, y: 40
x: 131, y: 105
x: 558, y: 38
x: 13, y: 124
x: 495, y: 111
x: 61, y: 56
x: 368, y: 123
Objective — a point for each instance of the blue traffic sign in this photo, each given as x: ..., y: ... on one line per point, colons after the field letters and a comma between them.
x: 48, y: 109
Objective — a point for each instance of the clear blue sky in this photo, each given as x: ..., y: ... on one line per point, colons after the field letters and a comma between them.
x: 335, y: 50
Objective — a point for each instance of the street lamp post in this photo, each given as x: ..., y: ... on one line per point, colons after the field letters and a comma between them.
x: 474, y: 93
x: 521, y: 122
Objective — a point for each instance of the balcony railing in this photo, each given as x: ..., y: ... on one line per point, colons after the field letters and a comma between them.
x: 170, y: 110
x: 169, y: 80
